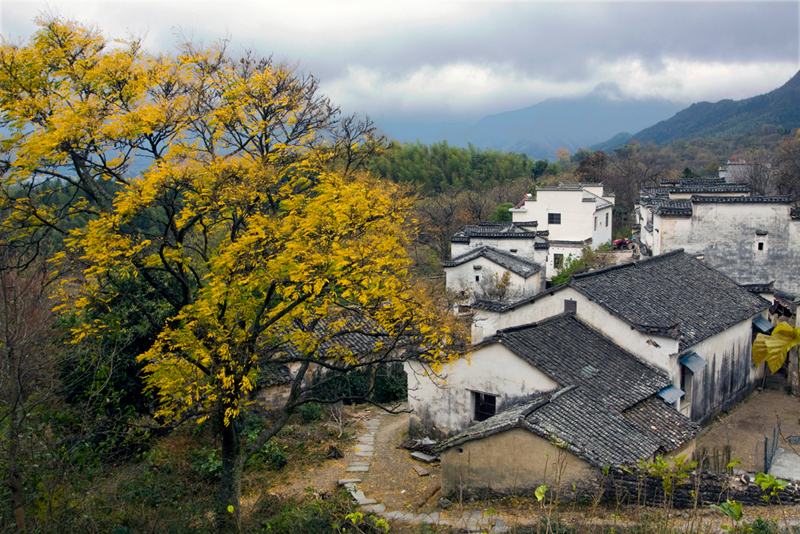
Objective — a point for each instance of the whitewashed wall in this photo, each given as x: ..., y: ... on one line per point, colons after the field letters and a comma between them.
x: 602, y: 231
x: 725, y: 234
x: 525, y: 248
x: 443, y: 406
x: 728, y: 376
x: 466, y: 278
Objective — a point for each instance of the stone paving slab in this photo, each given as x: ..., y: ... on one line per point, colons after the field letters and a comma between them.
x: 358, y: 469
x: 365, y: 447
x: 345, y: 481
x: 374, y: 508
x: 431, y: 518
x: 422, y: 457
x: 367, y: 454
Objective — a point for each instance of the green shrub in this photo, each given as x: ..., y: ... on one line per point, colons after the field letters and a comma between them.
x: 277, y: 458
x: 207, y: 463
x: 310, y: 412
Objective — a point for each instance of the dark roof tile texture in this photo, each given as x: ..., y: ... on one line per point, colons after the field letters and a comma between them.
x: 673, y: 294
x: 786, y: 199
x: 515, y: 264
x: 607, y: 411
x: 572, y: 353
x: 507, y: 230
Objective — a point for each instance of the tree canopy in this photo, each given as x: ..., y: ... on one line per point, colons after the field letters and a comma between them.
x: 222, y: 198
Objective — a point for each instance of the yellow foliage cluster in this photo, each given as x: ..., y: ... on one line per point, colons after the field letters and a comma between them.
x: 238, y: 224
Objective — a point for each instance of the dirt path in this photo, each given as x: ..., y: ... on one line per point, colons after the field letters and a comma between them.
x: 392, y: 479
x: 746, y: 426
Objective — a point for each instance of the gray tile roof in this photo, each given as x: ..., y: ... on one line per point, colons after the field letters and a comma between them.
x: 567, y: 186
x: 601, y: 203
x: 342, y: 332
x: 679, y: 207
x: 515, y: 264
x: 508, y: 230
x: 572, y: 353
x: 760, y: 288
x: 607, y: 411
x: 784, y: 199
x: 692, y: 181
x: 673, y: 294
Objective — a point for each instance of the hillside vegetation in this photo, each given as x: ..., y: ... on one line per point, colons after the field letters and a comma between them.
x: 775, y: 112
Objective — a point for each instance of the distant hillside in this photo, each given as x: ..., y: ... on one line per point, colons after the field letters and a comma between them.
x: 723, y: 119
x: 541, y: 129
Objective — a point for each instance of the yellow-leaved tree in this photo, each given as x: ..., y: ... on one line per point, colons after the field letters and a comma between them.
x: 223, y: 199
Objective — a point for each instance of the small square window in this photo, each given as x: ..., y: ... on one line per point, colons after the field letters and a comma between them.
x: 553, y: 218
x: 760, y: 245
x: 558, y: 260
x: 485, y: 405
x: 477, y: 278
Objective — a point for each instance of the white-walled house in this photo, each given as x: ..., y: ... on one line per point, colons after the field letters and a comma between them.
x: 672, y: 311
x: 519, y: 239
x: 751, y: 239
x: 573, y: 215
x: 526, y: 387
x: 488, y: 273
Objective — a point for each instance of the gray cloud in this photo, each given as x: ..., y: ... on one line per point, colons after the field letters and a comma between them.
x: 476, y: 57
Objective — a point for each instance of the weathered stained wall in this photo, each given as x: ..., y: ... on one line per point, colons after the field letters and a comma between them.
x: 729, y: 375
x: 476, y: 282
x: 522, y: 247
x: 444, y: 407
x: 515, y: 461
x: 727, y: 236
x: 654, y: 350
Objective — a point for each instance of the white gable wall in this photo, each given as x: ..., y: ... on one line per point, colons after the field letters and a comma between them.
x: 445, y: 407
x: 727, y: 377
x: 656, y: 351
x: 467, y: 278
x: 725, y: 234
x: 525, y: 248
x: 602, y: 227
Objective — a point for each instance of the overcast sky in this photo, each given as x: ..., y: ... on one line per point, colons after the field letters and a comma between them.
x: 466, y: 59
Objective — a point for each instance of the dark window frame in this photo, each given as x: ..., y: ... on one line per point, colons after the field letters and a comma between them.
x: 558, y: 261
x: 485, y: 405
x: 553, y: 218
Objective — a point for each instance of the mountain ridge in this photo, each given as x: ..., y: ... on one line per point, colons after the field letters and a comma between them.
x: 725, y: 118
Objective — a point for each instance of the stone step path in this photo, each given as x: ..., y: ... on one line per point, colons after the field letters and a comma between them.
x: 469, y: 521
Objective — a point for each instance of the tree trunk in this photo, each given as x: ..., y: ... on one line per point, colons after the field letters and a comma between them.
x: 230, y: 488
x: 14, y: 482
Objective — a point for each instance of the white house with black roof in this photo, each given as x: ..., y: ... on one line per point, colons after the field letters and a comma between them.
x: 573, y: 215
x: 500, y: 261
x: 556, y: 381
x: 522, y: 240
x: 751, y: 239
x: 673, y: 312
x: 489, y: 273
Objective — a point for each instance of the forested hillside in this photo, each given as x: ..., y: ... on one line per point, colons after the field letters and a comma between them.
x: 776, y: 111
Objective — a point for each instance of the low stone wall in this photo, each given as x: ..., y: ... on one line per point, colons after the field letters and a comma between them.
x: 620, y: 487
x: 699, y: 490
